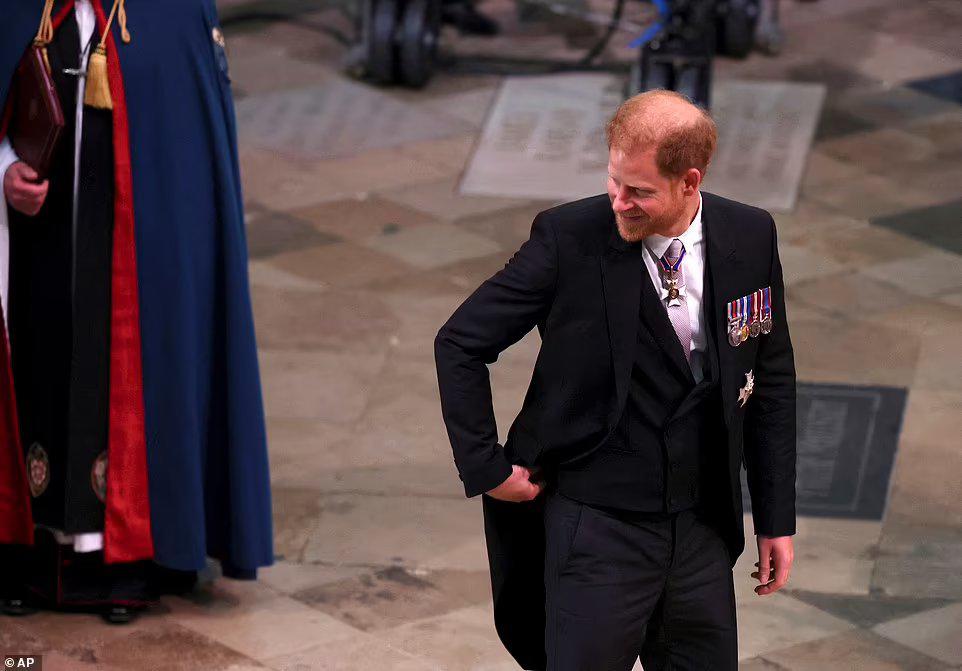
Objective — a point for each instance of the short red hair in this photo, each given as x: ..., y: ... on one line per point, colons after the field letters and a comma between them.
x: 684, y: 135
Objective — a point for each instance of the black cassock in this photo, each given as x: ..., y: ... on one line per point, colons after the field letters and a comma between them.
x: 59, y: 322
x: 60, y: 271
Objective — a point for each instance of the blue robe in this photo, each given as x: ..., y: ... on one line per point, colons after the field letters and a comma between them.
x: 209, y: 484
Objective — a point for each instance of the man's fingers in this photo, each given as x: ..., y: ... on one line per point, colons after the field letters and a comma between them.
x: 26, y: 172
x: 31, y: 189
x: 763, y: 573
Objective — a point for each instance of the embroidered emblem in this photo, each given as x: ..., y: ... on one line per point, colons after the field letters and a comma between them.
x: 38, y: 470
x: 747, y: 390
x: 98, y: 477
x: 218, y: 36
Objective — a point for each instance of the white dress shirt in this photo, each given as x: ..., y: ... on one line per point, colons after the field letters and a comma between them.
x: 694, y: 267
x: 86, y: 22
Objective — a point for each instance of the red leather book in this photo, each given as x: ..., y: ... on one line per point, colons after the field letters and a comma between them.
x: 38, y: 120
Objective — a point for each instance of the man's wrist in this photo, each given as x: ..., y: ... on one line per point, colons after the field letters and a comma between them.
x: 492, y: 474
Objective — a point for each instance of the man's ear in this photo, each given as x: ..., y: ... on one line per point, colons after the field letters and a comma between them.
x: 692, y: 179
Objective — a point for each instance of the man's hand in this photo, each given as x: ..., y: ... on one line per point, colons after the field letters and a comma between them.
x: 518, y: 487
x: 775, y: 556
x: 22, y: 190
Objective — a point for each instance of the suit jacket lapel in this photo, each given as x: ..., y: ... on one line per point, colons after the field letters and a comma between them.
x: 722, y: 270
x: 621, y: 268
x: 629, y: 294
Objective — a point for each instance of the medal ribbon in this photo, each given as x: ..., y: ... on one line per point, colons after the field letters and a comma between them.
x: 672, y: 268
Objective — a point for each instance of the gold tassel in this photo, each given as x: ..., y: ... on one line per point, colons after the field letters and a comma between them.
x: 98, y: 83
x: 45, y: 32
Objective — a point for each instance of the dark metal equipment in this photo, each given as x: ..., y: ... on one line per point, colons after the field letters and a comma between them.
x: 398, y: 41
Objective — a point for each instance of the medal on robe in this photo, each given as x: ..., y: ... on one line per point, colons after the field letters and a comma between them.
x: 745, y: 392
x: 755, y: 326
x: 767, y: 322
x: 734, y: 324
x: 670, y: 274
x: 743, y: 312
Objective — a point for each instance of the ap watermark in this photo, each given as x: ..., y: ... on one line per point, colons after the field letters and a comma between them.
x: 32, y: 662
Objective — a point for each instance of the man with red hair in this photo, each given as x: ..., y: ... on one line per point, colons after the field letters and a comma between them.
x: 614, y: 509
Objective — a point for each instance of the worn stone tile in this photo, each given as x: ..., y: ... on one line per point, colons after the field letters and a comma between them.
x: 263, y: 274
x: 451, y: 153
x: 360, y: 651
x: 800, y: 264
x: 758, y: 664
x: 926, y: 480
x: 937, y: 225
x: 385, y: 170
x: 945, y: 130
x: 389, y: 530
x: 288, y: 577
x: 867, y: 610
x: 432, y: 245
x: 866, y: 247
x: 937, y: 633
x: 341, y: 265
x: 509, y: 228
x: 890, y: 106
x: 859, y: 353
x: 362, y: 217
x: 947, y: 86
x: 868, y: 195
x: 336, y: 320
x: 874, y: 150
x: 169, y: 647
x: 290, y: 384
x: 394, y: 596
x: 926, y: 274
x: 852, y: 650
x: 850, y: 294
x: 442, y: 200
x: 270, y: 233
x: 919, y: 558
x: 283, y: 183
x: 261, y: 630
x: 775, y: 621
x: 460, y: 641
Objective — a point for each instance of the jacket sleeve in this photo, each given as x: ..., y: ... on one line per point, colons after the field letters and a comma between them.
x: 770, y: 420
x: 497, y: 315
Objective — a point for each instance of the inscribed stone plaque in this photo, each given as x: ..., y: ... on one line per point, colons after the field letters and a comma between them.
x: 544, y: 139
x: 765, y: 130
x: 337, y: 119
x: 847, y: 438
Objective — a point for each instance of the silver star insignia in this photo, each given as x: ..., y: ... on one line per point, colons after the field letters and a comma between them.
x: 746, y: 391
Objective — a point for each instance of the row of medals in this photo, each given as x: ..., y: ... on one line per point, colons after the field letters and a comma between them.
x: 739, y: 331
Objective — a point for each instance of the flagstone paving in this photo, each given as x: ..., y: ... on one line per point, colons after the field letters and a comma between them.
x: 361, y: 246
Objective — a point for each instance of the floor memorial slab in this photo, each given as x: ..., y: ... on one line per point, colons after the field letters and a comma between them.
x: 544, y: 138
x: 337, y: 119
x: 847, y: 437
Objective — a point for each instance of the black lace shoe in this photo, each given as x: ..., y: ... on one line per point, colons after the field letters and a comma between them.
x: 119, y: 615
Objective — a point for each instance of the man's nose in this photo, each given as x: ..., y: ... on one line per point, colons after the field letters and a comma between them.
x: 621, y: 202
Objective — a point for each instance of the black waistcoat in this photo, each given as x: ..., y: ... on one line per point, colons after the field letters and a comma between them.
x: 667, y: 449
x: 59, y: 314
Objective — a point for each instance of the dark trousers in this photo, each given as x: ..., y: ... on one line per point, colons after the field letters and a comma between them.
x: 622, y: 585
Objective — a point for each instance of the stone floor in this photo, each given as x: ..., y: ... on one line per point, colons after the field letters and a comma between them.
x: 361, y: 247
